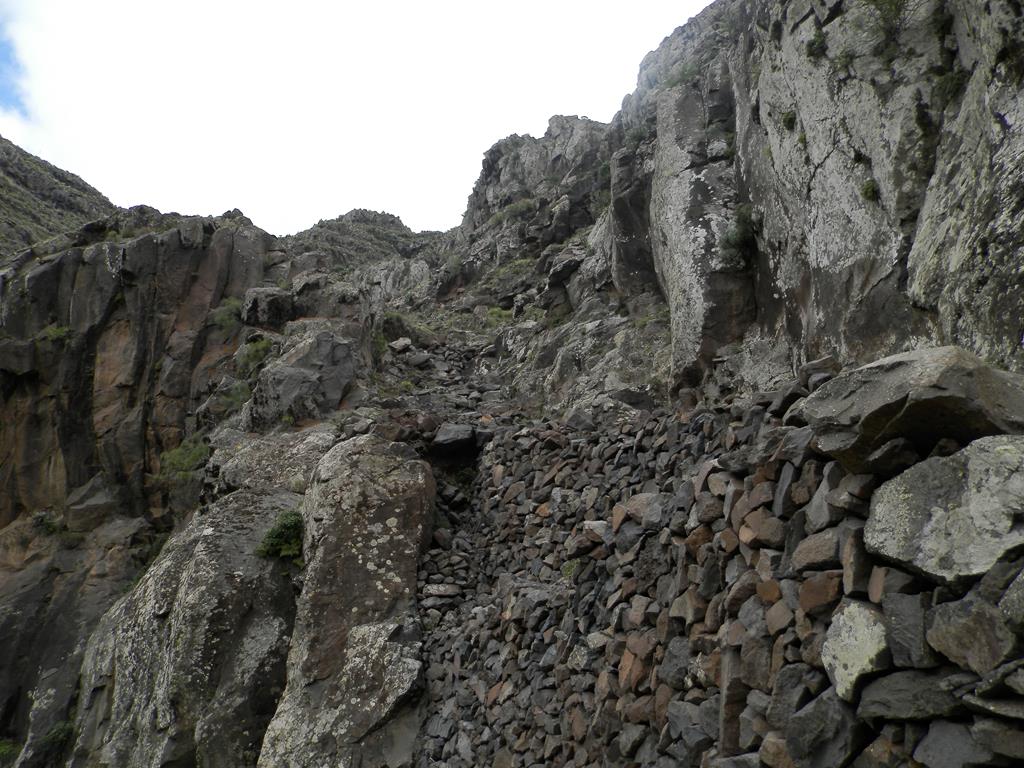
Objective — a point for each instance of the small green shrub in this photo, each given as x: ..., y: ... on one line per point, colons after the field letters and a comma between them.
x: 237, y: 396
x: 557, y: 315
x: 845, y: 59
x: 512, y: 211
x: 949, y: 86
x: 379, y: 344
x: 55, y: 741
x: 869, y: 191
x: 570, y: 568
x: 251, y: 355
x: 789, y: 120
x: 817, y: 46
x: 57, y: 334
x: 228, y: 314
x: 9, y: 751
x: 284, y: 539
x: 497, y: 316
x: 684, y: 73
x: 599, y: 201
x: 635, y: 137
x: 891, y: 17
x: 740, y: 241
x: 44, y: 524
x: 533, y: 312
x: 191, y: 454
x: 661, y: 316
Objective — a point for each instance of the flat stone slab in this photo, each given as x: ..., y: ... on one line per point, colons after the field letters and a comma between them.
x: 924, y: 396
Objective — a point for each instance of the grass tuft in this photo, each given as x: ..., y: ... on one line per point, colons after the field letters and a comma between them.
x: 284, y: 539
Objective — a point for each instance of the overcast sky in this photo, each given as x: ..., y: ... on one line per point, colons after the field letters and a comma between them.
x: 305, y: 109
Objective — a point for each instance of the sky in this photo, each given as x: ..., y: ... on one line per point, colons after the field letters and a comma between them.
x: 300, y: 111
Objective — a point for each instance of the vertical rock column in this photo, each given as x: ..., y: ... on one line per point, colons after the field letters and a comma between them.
x: 354, y: 668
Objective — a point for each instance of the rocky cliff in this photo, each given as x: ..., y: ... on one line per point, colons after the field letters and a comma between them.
x: 698, y: 442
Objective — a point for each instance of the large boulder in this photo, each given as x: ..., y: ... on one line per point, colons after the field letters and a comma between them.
x: 924, y: 396
x: 308, y: 380
x: 354, y: 665
x: 278, y: 460
x: 952, y: 518
x: 824, y: 733
x: 188, y: 666
x: 912, y: 695
x: 971, y: 632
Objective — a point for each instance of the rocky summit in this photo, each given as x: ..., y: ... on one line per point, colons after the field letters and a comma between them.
x: 700, y: 442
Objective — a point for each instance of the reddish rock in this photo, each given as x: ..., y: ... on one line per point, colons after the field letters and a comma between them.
x: 820, y: 591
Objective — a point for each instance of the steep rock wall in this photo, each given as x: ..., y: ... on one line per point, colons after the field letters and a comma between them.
x: 798, y: 175
x: 108, y: 345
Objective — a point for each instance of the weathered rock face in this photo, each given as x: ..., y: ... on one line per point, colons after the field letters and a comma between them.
x: 307, y: 381
x: 354, y: 664
x: 798, y: 563
x: 54, y: 587
x: 188, y: 667
x: 799, y: 175
x: 884, y: 172
x: 107, y: 346
x: 38, y: 200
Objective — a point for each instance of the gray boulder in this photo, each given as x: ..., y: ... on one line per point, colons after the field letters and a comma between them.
x: 950, y: 745
x: 925, y: 395
x: 308, y: 380
x: 188, y: 665
x: 279, y: 460
x: 825, y: 733
x: 952, y: 518
x: 92, y: 504
x: 267, y: 307
x: 912, y: 695
x: 453, y: 438
x: 855, y: 646
x: 970, y: 632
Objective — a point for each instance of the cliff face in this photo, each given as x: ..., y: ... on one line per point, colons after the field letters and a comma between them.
x: 610, y: 474
x: 785, y: 175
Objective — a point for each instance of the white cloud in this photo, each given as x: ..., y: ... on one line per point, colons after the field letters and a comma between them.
x: 302, y: 110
